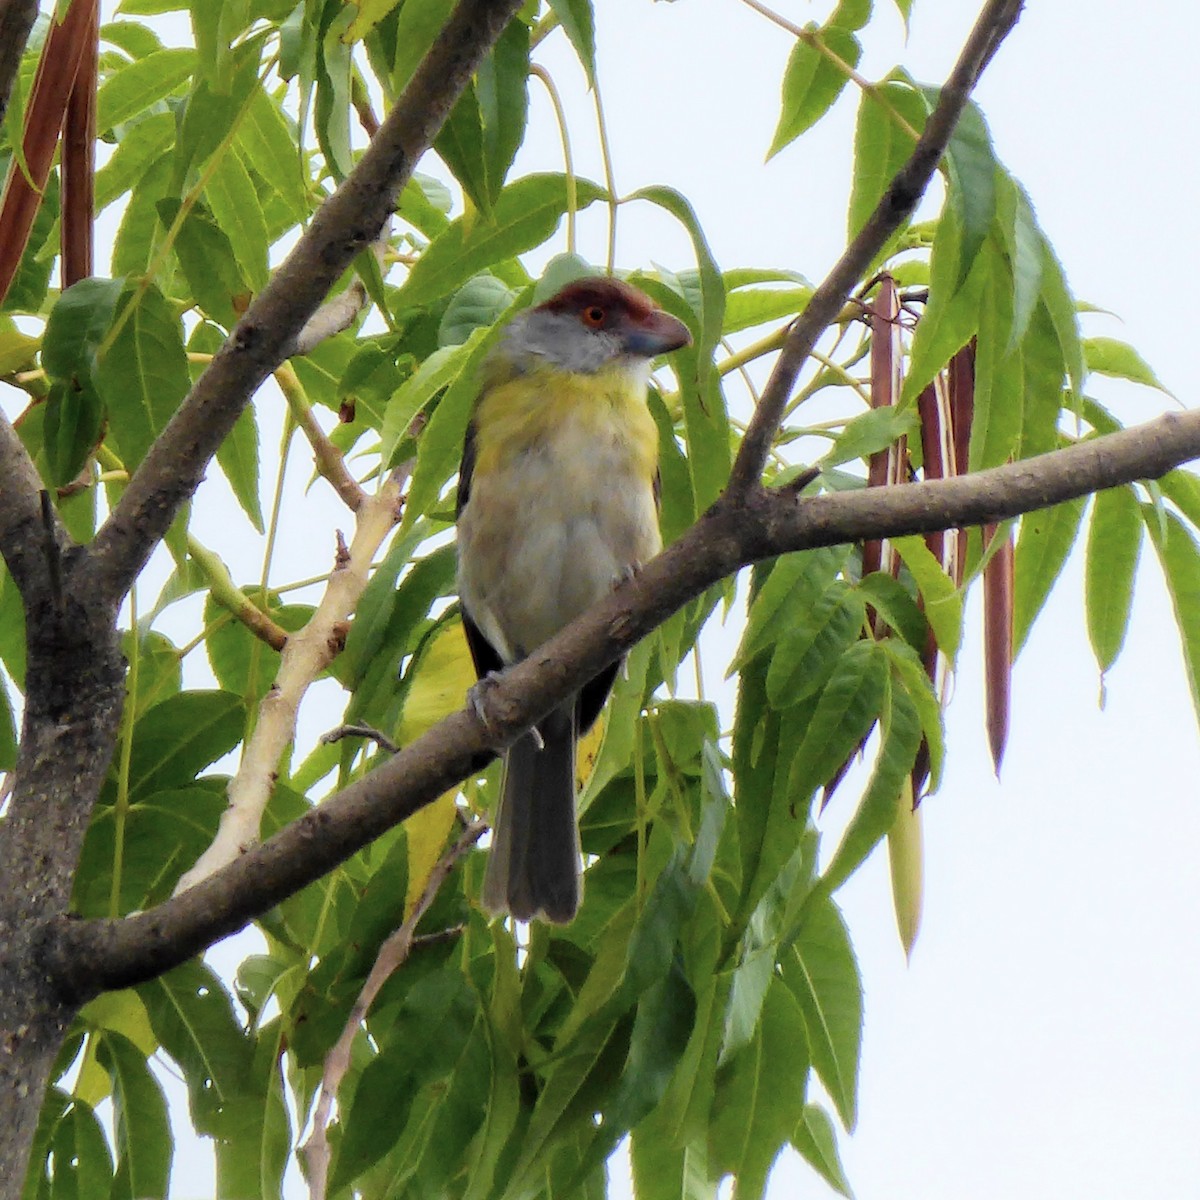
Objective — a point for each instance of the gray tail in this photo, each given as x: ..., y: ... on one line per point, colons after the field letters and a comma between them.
x: 533, y: 866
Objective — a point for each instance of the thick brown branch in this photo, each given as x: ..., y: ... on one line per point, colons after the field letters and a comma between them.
x: 346, y: 224
x: 89, y: 956
x: 898, y: 202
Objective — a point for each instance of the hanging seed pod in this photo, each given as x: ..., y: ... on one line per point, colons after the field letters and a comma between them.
x: 885, y: 388
x: 79, y: 160
x: 997, y: 641
x: 56, y: 71
x: 961, y: 372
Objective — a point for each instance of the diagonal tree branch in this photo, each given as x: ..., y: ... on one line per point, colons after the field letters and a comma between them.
x: 346, y: 224
x: 994, y: 23
x: 88, y: 956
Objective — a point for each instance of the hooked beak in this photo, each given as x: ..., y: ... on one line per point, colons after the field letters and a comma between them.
x: 655, y: 334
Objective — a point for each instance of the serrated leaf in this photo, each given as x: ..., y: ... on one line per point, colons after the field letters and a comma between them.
x: 1180, y: 558
x: 83, y: 1165
x: 1045, y: 540
x: 237, y: 457
x: 143, y: 145
x: 76, y: 326
x: 1110, y: 356
x: 952, y: 315
x: 870, y: 432
x: 524, y: 216
x: 823, y: 976
x: 881, y: 147
x: 900, y: 727
x: 846, y: 709
x: 269, y: 145
x: 815, y: 641
x: 1113, y: 546
x: 748, y: 307
x: 815, y: 1141
x: 144, y: 376
x: 233, y: 200
x: 811, y: 82
x: 74, y: 419
x: 942, y: 600
x: 137, y: 87
x: 970, y: 164
x: 1023, y: 244
x: 760, y: 1097
x: 892, y: 601
x: 143, y: 1133
x: 441, y: 442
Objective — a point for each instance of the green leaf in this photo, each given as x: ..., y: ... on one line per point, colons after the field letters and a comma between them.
x: 1113, y: 546
x: 811, y: 82
x: 942, y: 600
x: 176, y: 739
x: 140, y: 85
x: 370, y: 13
x: 900, y: 725
x: 524, y: 216
x: 1180, y: 558
x: 192, y: 1017
x: 142, y: 145
x: 908, y: 672
x: 8, y: 730
x: 999, y: 377
x: 441, y: 442
x: 74, y: 421
x: 1023, y: 244
x: 870, y: 432
x: 83, y: 1164
x: 1108, y: 356
x: 237, y: 457
x: 661, y: 1030
x: 76, y: 326
x: 269, y: 144
x: 815, y: 642
x: 233, y: 199
x: 970, y: 164
x: 331, y: 113
x: 881, y: 148
x: 846, y: 709
x: 748, y: 307
x: 952, y: 315
x: 793, y: 584
x: 209, y: 267
x: 578, y: 23
x: 823, y: 976
x: 1056, y: 296
x: 1045, y: 540
x: 144, y: 376
x: 143, y: 1132
x: 479, y: 302
x: 760, y: 1097
x: 892, y: 601
x: 816, y: 1143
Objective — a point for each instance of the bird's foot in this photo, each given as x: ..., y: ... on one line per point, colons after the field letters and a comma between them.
x: 476, y: 702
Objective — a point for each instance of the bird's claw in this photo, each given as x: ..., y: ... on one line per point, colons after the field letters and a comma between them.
x: 475, y: 702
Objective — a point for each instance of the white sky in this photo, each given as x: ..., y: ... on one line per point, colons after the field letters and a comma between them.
x: 1043, y: 1041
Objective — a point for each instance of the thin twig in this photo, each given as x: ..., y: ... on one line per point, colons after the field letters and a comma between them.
x: 392, y: 955
x: 362, y: 731
x: 898, y: 202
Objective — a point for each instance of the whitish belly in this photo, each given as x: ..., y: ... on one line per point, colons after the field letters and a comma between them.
x: 540, y: 542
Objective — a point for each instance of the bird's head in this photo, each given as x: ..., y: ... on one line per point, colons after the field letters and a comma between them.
x: 592, y: 324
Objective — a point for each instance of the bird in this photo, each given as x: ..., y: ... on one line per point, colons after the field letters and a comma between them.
x: 557, y: 505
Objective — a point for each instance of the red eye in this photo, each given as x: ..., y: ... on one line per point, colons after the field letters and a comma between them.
x: 593, y: 317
